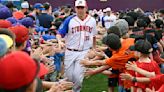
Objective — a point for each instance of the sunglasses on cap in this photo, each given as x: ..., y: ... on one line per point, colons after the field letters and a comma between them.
x: 80, y: 7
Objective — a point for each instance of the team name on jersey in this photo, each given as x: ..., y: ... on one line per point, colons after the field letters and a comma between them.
x: 109, y: 21
x: 82, y: 28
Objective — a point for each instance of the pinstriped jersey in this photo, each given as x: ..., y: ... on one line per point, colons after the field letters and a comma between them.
x: 78, y: 33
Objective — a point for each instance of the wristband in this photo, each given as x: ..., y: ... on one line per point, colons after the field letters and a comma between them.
x: 134, y: 79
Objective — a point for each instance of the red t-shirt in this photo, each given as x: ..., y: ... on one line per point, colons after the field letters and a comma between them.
x: 158, y: 81
x: 161, y: 88
x: 151, y: 67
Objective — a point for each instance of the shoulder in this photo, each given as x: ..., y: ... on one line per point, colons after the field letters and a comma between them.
x: 92, y: 18
x: 70, y: 17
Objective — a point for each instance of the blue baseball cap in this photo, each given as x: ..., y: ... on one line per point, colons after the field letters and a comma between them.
x: 41, y: 29
x: 39, y: 6
x: 5, y: 12
x: 27, y: 22
x: 12, y: 20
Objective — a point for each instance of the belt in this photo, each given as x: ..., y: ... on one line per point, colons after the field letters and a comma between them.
x: 74, y: 50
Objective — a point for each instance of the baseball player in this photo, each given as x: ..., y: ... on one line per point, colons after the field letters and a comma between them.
x: 109, y: 19
x: 79, y: 31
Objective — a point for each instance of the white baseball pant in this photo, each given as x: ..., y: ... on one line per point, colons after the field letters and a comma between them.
x: 74, y: 71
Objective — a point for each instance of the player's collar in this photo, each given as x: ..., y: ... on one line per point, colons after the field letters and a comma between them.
x: 84, y: 17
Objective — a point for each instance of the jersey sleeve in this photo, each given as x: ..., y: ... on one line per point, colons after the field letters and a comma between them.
x: 94, y: 29
x: 64, y: 27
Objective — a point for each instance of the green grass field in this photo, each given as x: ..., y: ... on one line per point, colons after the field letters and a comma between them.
x: 96, y: 83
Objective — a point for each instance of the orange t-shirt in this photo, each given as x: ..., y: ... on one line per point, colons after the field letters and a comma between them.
x: 120, y: 58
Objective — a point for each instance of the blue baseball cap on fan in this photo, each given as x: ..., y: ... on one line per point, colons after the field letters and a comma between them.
x: 12, y: 20
x: 41, y: 29
x: 27, y: 22
x: 39, y: 6
x: 5, y: 12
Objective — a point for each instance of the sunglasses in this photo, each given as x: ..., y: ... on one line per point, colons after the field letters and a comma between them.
x: 80, y: 7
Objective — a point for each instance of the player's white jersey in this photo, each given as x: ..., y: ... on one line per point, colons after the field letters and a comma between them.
x: 109, y: 20
x: 79, y: 33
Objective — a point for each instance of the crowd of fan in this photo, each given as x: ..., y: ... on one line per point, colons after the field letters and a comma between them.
x: 129, y: 51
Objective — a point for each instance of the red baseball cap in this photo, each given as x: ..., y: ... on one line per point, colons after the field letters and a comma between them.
x: 18, y: 15
x: 5, y: 24
x: 17, y: 69
x: 21, y: 33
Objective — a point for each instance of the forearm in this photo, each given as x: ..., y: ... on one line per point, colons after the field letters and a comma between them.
x: 162, y: 43
x: 97, y: 62
x: 145, y: 73
x: 94, y: 42
x: 48, y: 85
x: 160, y: 47
x: 143, y: 80
x: 107, y: 72
x: 59, y: 37
x: 140, y: 79
x: 101, y: 69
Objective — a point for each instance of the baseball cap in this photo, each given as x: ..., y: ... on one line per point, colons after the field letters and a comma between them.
x: 123, y: 26
x: 27, y: 22
x: 39, y: 6
x: 104, y: 10
x: 108, y: 9
x: 18, y: 70
x: 5, y: 24
x: 25, y: 5
x: 8, y: 33
x: 112, y: 41
x: 5, y: 12
x: 18, y: 15
x: 142, y: 46
x: 21, y: 33
x: 3, y: 46
x: 7, y: 39
x: 80, y: 3
x: 12, y: 20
